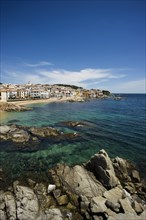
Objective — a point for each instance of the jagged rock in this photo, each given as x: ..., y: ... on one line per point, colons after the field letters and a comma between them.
x: 40, y: 189
x: 27, y: 203
x: 97, y: 204
x: 84, y: 204
x: 135, y: 176
x: 79, y: 181
x: 101, y: 165
x: 2, y: 206
x: 78, y: 193
x: 10, y: 204
x: 114, y: 195
x: 125, y: 171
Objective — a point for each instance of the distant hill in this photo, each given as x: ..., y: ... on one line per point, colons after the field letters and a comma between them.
x: 71, y: 86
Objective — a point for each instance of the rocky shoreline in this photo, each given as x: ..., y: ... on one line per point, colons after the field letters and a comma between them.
x: 11, y: 107
x: 101, y: 189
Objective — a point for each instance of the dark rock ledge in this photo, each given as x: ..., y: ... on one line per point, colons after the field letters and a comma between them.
x: 21, y: 134
x: 101, y: 189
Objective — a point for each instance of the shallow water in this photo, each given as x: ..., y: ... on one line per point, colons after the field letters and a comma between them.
x: 117, y: 126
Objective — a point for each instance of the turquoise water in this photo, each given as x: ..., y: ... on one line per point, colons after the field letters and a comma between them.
x: 117, y: 126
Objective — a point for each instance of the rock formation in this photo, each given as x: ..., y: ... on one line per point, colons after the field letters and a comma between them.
x: 101, y: 189
x: 9, y: 107
x: 21, y: 134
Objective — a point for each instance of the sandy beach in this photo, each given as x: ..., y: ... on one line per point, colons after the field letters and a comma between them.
x: 64, y: 99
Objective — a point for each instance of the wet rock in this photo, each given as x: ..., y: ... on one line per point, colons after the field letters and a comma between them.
x: 73, y: 124
x: 101, y: 165
x: 16, y: 134
x: 44, y: 131
x: 33, y: 135
x: 20, y: 136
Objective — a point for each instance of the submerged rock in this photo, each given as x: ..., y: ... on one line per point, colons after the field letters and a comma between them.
x: 73, y: 123
x: 21, y: 134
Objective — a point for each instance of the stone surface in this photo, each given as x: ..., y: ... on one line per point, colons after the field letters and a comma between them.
x: 10, y: 204
x: 50, y: 214
x: 44, y: 131
x: 80, y: 181
x: 74, y: 194
x: 113, y: 206
x: 98, y: 204
x: 114, y: 195
x: 101, y: 165
x: 21, y: 134
x: 27, y: 203
x: 126, y: 205
x: 4, y: 129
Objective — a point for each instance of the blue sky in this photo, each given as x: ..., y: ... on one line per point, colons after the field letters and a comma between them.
x: 94, y: 44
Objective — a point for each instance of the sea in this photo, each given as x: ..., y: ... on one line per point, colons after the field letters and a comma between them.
x: 118, y: 126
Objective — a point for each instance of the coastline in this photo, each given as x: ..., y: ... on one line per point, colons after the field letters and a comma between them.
x: 50, y: 100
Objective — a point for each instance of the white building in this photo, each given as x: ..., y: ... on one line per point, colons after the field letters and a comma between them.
x: 4, y: 96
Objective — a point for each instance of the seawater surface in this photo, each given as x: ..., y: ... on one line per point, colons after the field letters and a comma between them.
x: 117, y: 126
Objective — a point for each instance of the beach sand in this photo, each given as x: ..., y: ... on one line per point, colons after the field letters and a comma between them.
x: 27, y: 102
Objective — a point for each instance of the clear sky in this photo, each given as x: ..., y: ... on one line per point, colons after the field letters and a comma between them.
x: 94, y: 44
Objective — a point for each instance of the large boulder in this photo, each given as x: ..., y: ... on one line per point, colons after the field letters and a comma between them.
x: 79, y: 181
x: 101, y: 165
